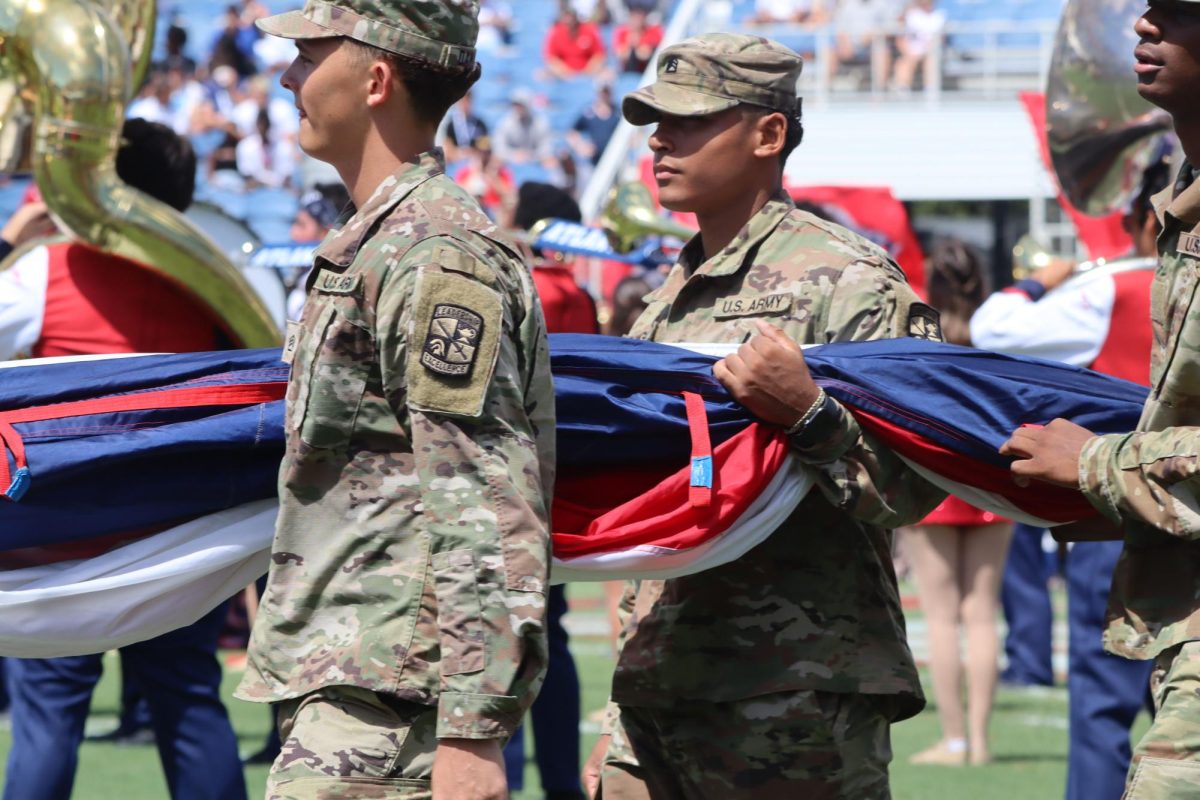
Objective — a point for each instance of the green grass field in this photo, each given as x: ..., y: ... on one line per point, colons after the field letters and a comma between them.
x: 1029, y: 735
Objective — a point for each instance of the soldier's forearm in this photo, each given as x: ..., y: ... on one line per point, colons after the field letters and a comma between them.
x: 1148, y: 479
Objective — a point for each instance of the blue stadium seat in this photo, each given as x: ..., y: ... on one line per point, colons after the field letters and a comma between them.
x: 269, y: 204
x: 272, y: 231
x: 524, y: 173
x: 232, y: 203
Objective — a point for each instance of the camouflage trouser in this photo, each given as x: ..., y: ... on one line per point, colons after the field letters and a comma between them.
x: 814, y: 745
x: 346, y: 743
x: 1166, y: 762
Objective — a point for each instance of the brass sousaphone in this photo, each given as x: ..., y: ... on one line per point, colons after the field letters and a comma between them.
x: 1102, y: 134
x: 68, y: 69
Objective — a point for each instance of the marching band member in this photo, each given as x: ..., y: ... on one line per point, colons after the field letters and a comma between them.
x: 68, y: 299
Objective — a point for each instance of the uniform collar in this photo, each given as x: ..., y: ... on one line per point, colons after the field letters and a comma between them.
x: 341, y: 245
x: 1181, y: 201
x: 732, y: 258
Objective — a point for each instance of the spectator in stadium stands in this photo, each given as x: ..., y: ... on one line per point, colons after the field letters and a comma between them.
x: 274, y: 53
x: 488, y: 180
x: 523, y: 135
x: 594, y: 127
x: 155, y: 102
x: 188, y: 96
x: 659, y: 7
x: 794, y: 12
x: 596, y: 11
x: 923, y: 27
x: 495, y: 25
x: 463, y: 130
x: 266, y: 158
x: 285, y: 120
x: 222, y: 95
x: 176, y: 42
x: 221, y: 166
x: 572, y: 47
x: 635, y: 41
x: 860, y: 37
x: 251, y: 11
x: 957, y: 556
x: 231, y: 46
x: 556, y: 712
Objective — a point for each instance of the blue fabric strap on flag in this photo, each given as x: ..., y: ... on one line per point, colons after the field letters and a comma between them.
x: 20, y: 484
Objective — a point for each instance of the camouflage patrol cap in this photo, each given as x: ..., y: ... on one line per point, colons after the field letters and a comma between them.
x: 716, y: 71
x: 440, y: 32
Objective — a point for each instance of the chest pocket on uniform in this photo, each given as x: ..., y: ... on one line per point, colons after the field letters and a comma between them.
x: 331, y: 366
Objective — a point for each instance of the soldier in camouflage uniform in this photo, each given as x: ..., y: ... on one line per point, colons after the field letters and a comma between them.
x: 401, y: 631
x: 1148, y: 482
x: 777, y: 675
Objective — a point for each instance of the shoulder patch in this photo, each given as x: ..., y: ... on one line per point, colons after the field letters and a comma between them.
x: 924, y: 322
x: 456, y: 327
x: 452, y: 343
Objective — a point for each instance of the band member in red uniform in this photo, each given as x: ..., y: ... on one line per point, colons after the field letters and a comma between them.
x: 68, y: 299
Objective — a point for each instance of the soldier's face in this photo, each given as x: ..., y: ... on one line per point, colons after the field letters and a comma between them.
x: 701, y: 162
x: 1168, y: 56
x: 330, y: 90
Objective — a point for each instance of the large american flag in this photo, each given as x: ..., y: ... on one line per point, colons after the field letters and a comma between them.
x: 140, y: 490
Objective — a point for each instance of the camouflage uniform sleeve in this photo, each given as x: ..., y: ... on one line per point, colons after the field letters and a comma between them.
x: 483, y: 498
x: 1146, y: 479
x: 855, y: 473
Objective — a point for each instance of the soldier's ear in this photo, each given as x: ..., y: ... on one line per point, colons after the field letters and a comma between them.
x: 770, y: 132
x: 381, y: 85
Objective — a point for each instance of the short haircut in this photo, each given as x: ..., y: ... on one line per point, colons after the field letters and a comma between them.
x: 794, y: 135
x: 158, y: 161
x: 431, y: 90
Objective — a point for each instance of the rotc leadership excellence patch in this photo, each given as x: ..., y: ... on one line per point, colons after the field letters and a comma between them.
x: 924, y: 323
x: 452, y: 343
x: 461, y: 319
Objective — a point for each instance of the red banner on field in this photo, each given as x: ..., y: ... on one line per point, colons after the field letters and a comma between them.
x: 1102, y: 237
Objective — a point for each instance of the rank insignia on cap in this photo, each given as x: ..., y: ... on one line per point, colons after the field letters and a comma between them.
x: 453, y: 340
x: 924, y: 323
x: 672, y: 65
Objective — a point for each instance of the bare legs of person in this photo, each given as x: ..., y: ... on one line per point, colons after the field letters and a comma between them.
x: 958, y: 570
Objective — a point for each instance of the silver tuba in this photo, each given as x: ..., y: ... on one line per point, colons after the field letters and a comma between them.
x: 67, y: 70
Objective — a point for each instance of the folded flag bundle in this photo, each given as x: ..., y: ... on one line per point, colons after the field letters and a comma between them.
x: 140, y: 490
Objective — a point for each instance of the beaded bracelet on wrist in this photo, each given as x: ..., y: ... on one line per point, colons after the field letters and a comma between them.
x: 808, y: 415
